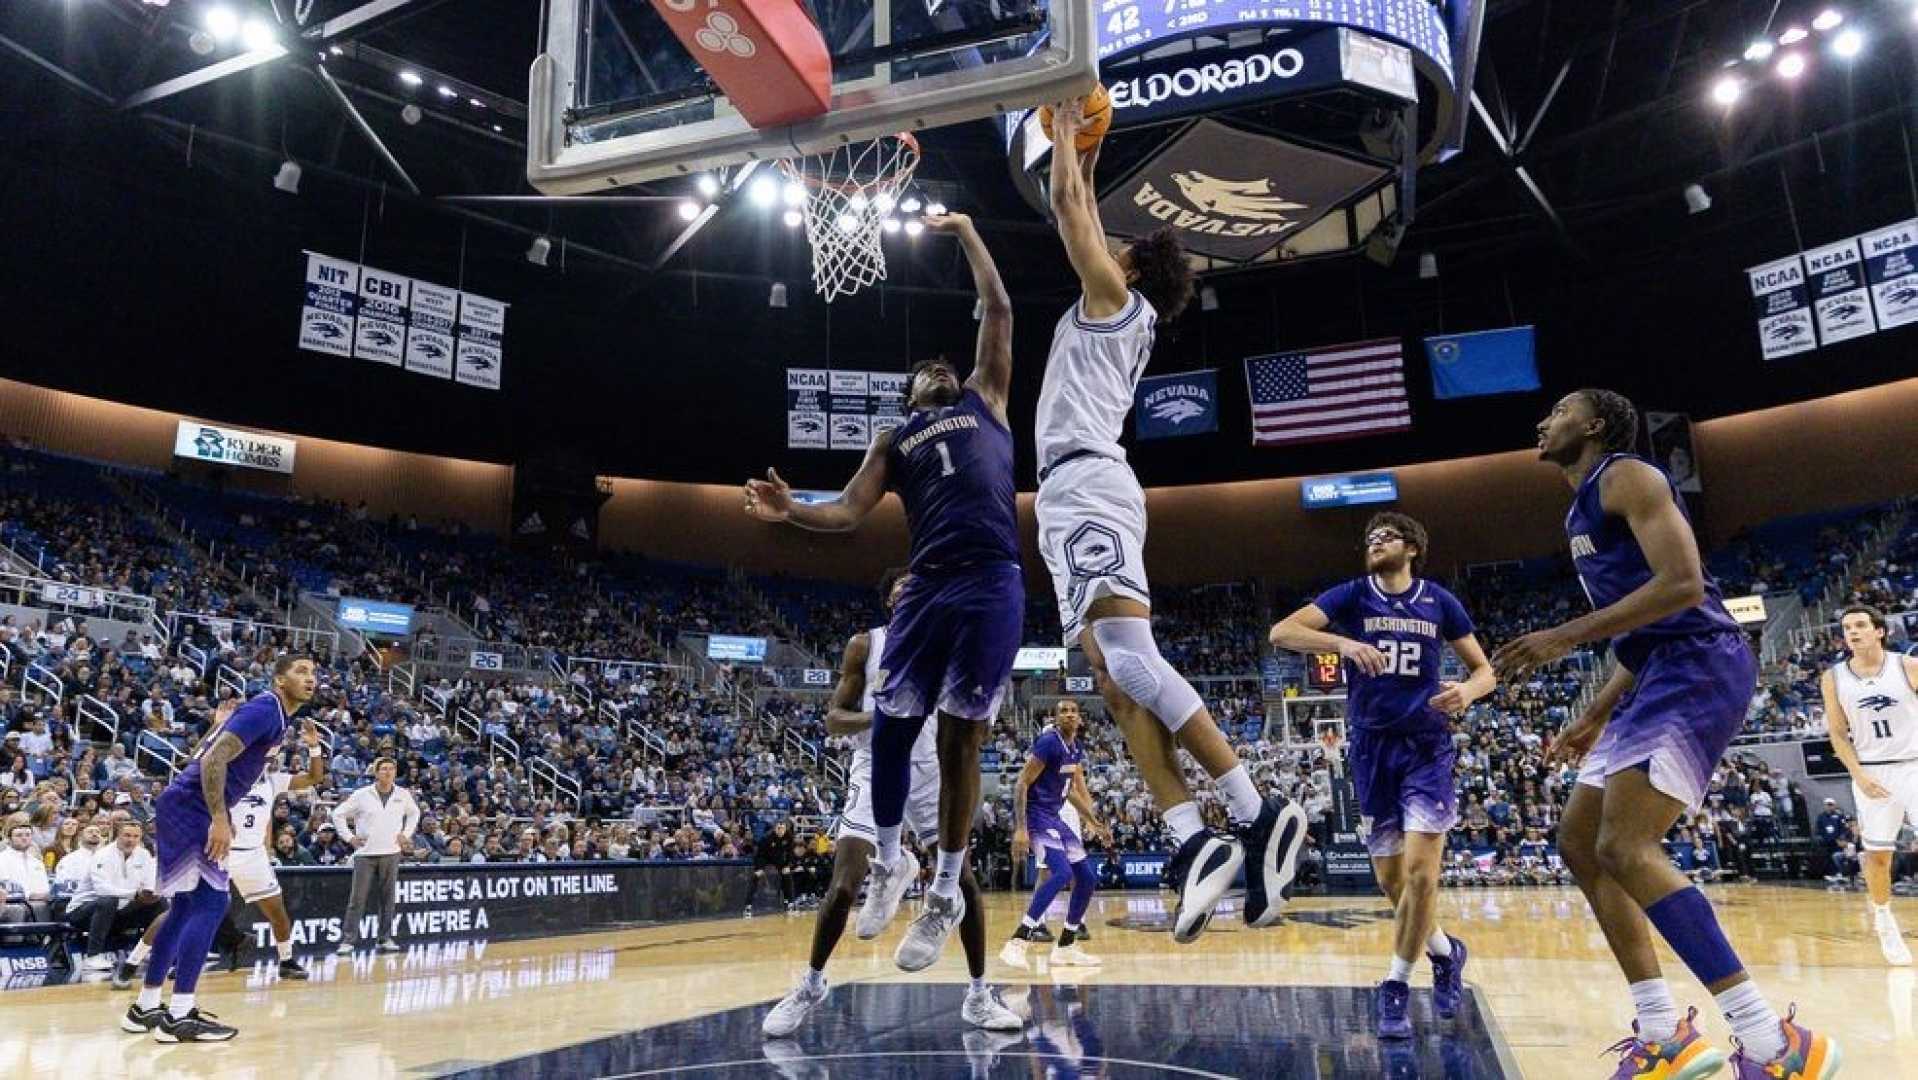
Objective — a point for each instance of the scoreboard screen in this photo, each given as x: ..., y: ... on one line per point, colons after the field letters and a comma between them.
x: 1324, y: 672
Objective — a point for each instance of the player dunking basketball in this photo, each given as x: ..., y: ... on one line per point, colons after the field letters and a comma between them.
x: 851, y: 715
x: 1649, y: 742
x: 953, y: 635
x: 1394, y: 627
x: 1092, y: 533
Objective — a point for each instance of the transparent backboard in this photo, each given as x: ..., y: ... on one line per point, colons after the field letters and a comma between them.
x: 616, y: 99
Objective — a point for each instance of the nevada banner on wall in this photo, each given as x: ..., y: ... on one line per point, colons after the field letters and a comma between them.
x: 1838, y: 294
x: 381, y: 333
x: 332, y: 299
x: 806, y: 409
x: 841, y: 410
x: 1784, y: 310
x: 1166, y: 406
x: 851, y: 428
x: 482, y: 329
x: 429, y: 335
x: 1891, y: 266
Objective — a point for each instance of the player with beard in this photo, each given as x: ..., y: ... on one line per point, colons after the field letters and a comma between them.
x: 956, y: 628
x: 1393, y: 627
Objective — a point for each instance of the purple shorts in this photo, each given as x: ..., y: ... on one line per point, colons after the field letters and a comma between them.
x: 1684, y: 708
x: 951, y: 643
x: 180, y: 824
x: 1048, y: 830
x: 1404, y: 784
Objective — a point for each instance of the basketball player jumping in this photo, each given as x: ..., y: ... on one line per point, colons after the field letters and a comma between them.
x: 1054, y: 777
x: 1092, y: 533
x: 1872, y: 712
x: 953, y: 635
x: 1395, y: 627
x: 193, y: 834
x: 1649, y: 743
x: 851, y: 715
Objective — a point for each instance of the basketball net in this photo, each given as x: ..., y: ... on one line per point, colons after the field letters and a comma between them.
x: 850, y: 195
x: 1330, y: 742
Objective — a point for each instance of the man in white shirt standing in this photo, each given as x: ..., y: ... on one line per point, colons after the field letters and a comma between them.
x: 121, y: 896
x: 378, y: 820
x: 23, y: 879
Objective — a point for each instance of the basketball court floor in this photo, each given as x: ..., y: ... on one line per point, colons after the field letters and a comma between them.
x: 687, y: 1000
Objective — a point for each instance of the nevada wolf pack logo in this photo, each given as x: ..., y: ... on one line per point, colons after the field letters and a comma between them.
x: 1248, y: 200
x: 1877, y: 703
x: 1176, y: 410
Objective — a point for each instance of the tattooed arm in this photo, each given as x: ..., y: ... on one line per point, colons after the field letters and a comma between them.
x: 219, y: 837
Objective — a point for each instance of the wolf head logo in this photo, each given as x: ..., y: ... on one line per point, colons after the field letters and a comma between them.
x: 1177, y: 411
x: 1251, y: 200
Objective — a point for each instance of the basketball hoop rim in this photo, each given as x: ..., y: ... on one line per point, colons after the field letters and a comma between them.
x: 850, y: 187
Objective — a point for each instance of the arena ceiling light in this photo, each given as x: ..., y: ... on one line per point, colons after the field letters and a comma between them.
x: 793, y: 195
x: 1791, y: 66
x: 1697, y: 199
x: 1759, y: 51
x: 707, y: 185
x: 411, y: 78
x: 1726, y: 91
x: 793, y: 218
x: 915, y: 227
x: 1828, y: 19
x: 688, y: 210
x: 1848, y: 43
x: 288, y: 178
x: 777, y: 296
x: 538, y: 250
x: 1793, y: 36
x: 258, y: 34
x: 763, y: 191
x: 221, y: 22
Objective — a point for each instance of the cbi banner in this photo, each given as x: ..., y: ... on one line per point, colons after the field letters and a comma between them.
x: 1784, y: 311
x: 381, y: 333
x: 359, y: 311
x: 841, y: 410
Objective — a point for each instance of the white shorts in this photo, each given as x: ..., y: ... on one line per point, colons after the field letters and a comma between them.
x: 922, y: 807
x: 252, y: 873
x: 1092, y: 534
x: 1880, y: 819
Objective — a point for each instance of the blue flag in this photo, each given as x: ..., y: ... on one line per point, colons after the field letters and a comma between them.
x: 1488, y: 362
x: 1182, y: 404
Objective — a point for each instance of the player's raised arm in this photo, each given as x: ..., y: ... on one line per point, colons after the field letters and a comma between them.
x: 315, y: 773
x: 992, y: 366
x: 771, y: 499
x: 844, y: 716
x: 1100, y: 275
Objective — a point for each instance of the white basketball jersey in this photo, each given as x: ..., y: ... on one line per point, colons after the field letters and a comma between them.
x: 1091, y: 374
x: 925, y: 750
x: 253, y: 814
x: 1881, y: 710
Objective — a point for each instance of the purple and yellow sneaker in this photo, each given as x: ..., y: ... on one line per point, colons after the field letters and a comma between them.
x: 1390, y: 1002
x: 1807, y: 1056
x: 1684, y: 1056
x: 1448, y: 980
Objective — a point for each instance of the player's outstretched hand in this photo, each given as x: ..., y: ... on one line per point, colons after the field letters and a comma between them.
x: 1534, y: 650
x: 1068, y: 119
x: 770, y: 499
x: 1450, y: 699
x: 1364, y: 657
x: 310, y: 733
x: 948, y: 223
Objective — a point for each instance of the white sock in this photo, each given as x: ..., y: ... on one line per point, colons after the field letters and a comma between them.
x: 1185, y: 822
x: 979, y: 985
x: 180, y: 1005
x: 889, y: 844
x: 1881, y: 913
x: 285, y: 949
x: 1438, y: 944
x: 1030, y: 923
x: 1401, y: 969
x: 814, y: 982
x: 1241, y: 798
x: 1753, y: 1021
x: 1657, y: 1012
x: 149, y: 997
x: 946, y: 881
x: 139, y: 953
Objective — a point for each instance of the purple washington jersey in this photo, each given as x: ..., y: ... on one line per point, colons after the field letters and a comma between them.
x: 1411, y: 628
x: 1611, y: 565
x: 953, y: 469
x: 1061, y: 759
x: 260, y: 724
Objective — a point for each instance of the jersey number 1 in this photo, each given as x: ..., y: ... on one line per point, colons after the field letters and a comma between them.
x: 945, y: 459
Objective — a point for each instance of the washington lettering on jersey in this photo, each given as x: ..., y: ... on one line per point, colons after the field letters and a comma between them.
x: 937, y: 428
x: 1415, y: 627
x: 1395, y: 699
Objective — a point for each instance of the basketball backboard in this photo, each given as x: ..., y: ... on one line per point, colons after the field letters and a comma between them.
x: 616, y: 99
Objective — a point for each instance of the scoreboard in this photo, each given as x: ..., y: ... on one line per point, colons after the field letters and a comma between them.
x: 1324, y: 672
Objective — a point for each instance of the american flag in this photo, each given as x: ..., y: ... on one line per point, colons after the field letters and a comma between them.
x: 1336, y: 392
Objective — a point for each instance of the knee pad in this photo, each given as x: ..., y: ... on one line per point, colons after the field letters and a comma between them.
x: 1136, y: 668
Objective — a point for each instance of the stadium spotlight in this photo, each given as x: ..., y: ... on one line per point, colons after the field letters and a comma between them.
x: 1828, y: 19
x: 1208, y: 299
x: 1790, y: 66
x: 1428, y: 266
x: 688, y: 210
x: 848, y: 224
x: 793, y: 194
x: 336, y: 50
x: 890, y: 224
x: 764, y: 191
x: 411, y: 78
x: 1697, y: 200
x: 1793, y: 36
x: 937, y: 209
x: 708, y: 185
x: 1847, y: 44
x: 448, y: 92
x: 1727, y: 90
x: 221, y: 22
x: 915, y: 227
x: 777, y: 297
x: 792, y: 219
x: 1759, y: 51
x: 911, y: 205
x: 258, y: 34
x: 537, y: 251
x: 288, y: 178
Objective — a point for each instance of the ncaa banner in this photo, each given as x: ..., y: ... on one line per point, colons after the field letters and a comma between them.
x: 1168, y: 406
x: 482, y: 329
x: 1784, y: 311
x: 429, y: 337
x: 1839, y: 297
x: 1891, y: 266
x: 381, y: 334
x: 806, y: 409
x: 886, y: 393
x: 332, y: 300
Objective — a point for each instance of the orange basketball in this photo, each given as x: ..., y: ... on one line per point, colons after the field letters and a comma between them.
x: 1098, y: 110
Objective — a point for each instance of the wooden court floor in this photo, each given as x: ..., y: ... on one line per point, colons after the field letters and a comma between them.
x: 1538, y: 964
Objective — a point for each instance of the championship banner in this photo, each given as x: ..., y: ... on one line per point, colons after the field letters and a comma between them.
x: 381, y: 334
x: 886, y: 393
x: 1166, y: 406
x: 806, y: 409
x: 429, y: 337
x: 332, y: 299
x: 1784, y: 310
x: 1893, y: 274
x: 1671, y: 438
x: 482, y: 329
x: 1839, y: 297
x: 851, y: 427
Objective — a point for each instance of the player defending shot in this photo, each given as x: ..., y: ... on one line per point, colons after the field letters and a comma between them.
x: 1392, y: 629
x: 1872, y: 712
x: 193, y: 833
x: 1054, y: 776
x: 1092, y: 534
x: 851, y: 715
x: 1649, y: 742
x: 953, y: 635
